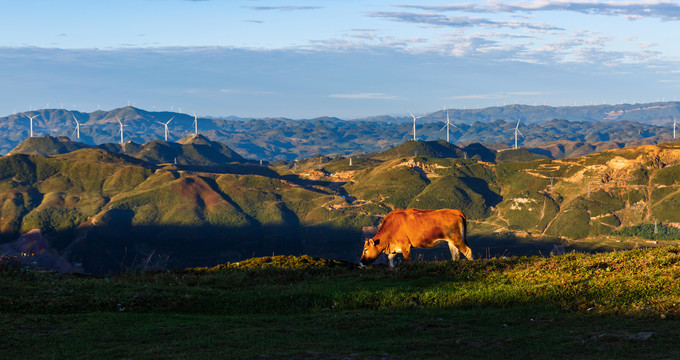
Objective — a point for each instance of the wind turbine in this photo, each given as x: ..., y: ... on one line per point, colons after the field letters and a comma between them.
x: 35, y: 116
x: 517, y: 132
x: 675, y: 124
x: 77, y: 130
x: 121, y: 130
x: 195, y: 124
x: 166, y: 127
x: 414, y: 124
x: 448, y: 123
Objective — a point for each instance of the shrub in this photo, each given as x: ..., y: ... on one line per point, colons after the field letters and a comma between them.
x: 646, y: 231
x: 9, y: 265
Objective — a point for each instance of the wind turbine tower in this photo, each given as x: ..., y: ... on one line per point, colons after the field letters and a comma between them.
x: 77, y: 131
x: 675, y: 124
x: 414, y: 124
x: 121, y: 130
x: 448, y: 124
x: 195, y: 124
x: 517, y: 132
x: 166, y: 127
x: 31, y: 121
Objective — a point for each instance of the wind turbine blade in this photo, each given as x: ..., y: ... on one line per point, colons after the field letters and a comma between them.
x: 443, y: 128
x: 409, y: 111
x: 517, y: 127
x: 169, y: 120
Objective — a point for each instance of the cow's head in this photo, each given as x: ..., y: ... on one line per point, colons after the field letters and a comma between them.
x: 372, y: 249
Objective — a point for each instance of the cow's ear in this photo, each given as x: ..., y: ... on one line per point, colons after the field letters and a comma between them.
x: 376, y: 242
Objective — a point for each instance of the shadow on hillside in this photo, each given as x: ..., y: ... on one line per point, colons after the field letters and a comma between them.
x: 493, y: 245
x: 482, y: 187
x: 313, y: 185
x: 540, y: 151
x: 233, y: 168
x: 119, y: 246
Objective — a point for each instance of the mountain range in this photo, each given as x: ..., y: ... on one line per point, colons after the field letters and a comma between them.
x: 557, y: 132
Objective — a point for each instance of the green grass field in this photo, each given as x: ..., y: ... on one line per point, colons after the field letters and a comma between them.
x: 610, y: 305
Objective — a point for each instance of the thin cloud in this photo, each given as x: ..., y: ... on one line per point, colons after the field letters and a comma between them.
x: 663, y: 9
x: 365, y: 44
x: 364, y: 96
x: 284, y: 8
x: 457, y: 21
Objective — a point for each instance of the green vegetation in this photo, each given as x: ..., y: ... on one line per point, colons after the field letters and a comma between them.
x: 599, y: 203
x: 450, y: 192
x: 570, y: 306
x: 649, y: 231
x: 434, y: 149
x: 389, y: 183
x: 666, y: 202
x: 516, y: 155
x: 667, y: 176
x: 571, y: 223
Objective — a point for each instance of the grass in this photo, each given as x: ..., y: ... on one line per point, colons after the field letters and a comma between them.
x: 612, y: 305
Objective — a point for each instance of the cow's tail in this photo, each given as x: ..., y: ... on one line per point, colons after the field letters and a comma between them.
x: 463, y: 230
x: 463, y: 234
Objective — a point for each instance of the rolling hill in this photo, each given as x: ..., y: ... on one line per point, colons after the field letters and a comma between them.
x: 106, y: 211
x: 192, y: 150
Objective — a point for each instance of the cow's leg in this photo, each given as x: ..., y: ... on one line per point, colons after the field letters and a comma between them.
x: 390, y: 257
x: 407, y: 254
x: 457, y: 241
x: 466, y: 251
x: 455, y: 254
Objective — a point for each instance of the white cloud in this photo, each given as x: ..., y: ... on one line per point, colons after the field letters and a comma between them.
x: 285, y: 8
x: 646, y: 44
x: 361, y: 43
x: 457, y: 21
x: 635, y: 9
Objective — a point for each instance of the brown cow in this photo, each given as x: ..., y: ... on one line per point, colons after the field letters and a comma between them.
x: 403, y: 229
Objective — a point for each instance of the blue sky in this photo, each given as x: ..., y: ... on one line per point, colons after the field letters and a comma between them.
x: 350, y: 59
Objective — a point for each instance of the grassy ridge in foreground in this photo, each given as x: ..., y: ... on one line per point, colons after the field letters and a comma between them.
x: 571, y: 306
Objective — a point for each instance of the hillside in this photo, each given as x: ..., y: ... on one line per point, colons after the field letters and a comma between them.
x: 106, y: 211
x: 590, y: 129
x: 437, y: 149
x: 192, y: 150
x: 47, y: 145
